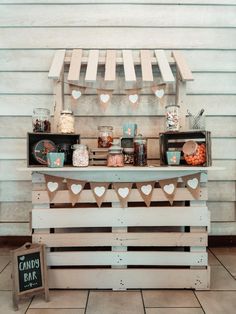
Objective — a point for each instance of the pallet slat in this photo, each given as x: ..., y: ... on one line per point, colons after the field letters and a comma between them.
x: 91, y: 71
x: 75, y: 65
x: 164, y: 66
x: 86, y: 196
x: 184, y: 70
x: 127, y: 258
x: 57, y: 65
x: 146, y: 65
x: 119, y: 217
x: 110, y: 66
x: 129, y: 278
x: 122, y: 239
x: 129, y: 66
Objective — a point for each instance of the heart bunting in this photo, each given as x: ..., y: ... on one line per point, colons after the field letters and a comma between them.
x: 53, y: 184
x: 76, y: 92
x: 169, y: 188
x: 133, y: 95
x: 104, y: 96
x: 75, y: 187
x: 192, y: 182
x: 159, y: 91
x: 122, y: 191
x: 99, y: 191
x: 146, y: 190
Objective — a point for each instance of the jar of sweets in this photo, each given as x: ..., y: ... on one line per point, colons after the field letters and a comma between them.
x: 115, y: 157
x: 67, y: 122
x: 105, y: 136
x: 140, y: 151
x: 41, y: 120
x: 172, y: 117
x: 80, y: 157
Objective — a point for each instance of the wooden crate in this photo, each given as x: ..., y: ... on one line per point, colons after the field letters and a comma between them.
x: 176, y: 140
x: 98, y: 156
x: 119, y: 248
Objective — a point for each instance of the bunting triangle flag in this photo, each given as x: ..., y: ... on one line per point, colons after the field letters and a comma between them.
x: 75, y: 188
x: 99, y: 191
x: 146, y: 190
x: 169, y: 188
x: 192, y: 182
x: 123, y: 190
x: 53, y: 185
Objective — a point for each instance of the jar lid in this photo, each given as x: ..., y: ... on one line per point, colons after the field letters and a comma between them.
x: 67, y: 111
x: 115, y: 148
x: 140, y: 139
x: 128, y: 150
x: 107, y: 127
x: 190, y: 147
x: 172, y: 105
x: 78, y: 146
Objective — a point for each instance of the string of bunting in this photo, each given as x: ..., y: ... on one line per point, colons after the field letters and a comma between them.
x: 99, y: 189
x: 105, y: 95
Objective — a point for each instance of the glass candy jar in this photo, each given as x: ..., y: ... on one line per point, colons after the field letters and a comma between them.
x: 41, y: 120
x: 129, y: 156
x: 140, y: 151
x: 115, y: 157
x: 67, y: 122
x: 80, y: 157
x: 172, y: 117
x: 105, y: 136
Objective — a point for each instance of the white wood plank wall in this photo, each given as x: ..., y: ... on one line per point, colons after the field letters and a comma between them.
x: 31, y: 31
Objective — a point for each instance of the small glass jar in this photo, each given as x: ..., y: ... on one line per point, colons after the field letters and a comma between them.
x: 66, y: 149
x: 129, y: 156
x: 140, y: 151
x: 80, y: 157
x: 67, y: 122
x: 115, y: 157
x: 105, y: 136
x: 172, y: 117
x: 41, y: 120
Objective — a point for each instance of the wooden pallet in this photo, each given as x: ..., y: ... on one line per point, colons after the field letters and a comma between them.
x: 98, y: 156
x: 160, y: 246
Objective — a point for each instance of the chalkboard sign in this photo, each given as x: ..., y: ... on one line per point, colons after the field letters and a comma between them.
x: 29, y: 272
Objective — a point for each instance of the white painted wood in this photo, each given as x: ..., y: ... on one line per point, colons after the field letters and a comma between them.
x: 14, y: 229
x: 180, y: 100
x: 130, y: 75
x: 223, y: 228
x: 126, y: 258
x: 57, y: 65
x: 35, y: 38
x: 128, y: 278
x: 140, y: 15
x: 146, y: 65
x: 91, y: 72
x: 222, y: 211
x: 163, y: 64
x: 110, y: 66
x: 184, y: 70
x: 118, y: 217
x: 122, y: 239
x: 15, y: 211
x: 75, y: 65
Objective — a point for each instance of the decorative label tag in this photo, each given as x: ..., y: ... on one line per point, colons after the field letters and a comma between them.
x: 192, y: 182
x: 146, y: 190
x: 53, y: 184
x: 99, y: 191
x: 122, y: 191
x: 169, y: 188
x: 75, y: 187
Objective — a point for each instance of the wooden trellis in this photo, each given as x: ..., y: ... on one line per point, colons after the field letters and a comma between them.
x: 147, y: 59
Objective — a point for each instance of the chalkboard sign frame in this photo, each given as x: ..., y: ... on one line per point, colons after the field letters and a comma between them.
x: 29, y: 249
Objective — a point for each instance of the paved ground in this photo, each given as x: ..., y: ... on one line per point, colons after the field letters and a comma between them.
x: 221, y: 299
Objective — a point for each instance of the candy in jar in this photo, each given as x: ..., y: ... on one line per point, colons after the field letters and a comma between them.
x: 67, y: 122
x: 80, y: 157
x: 140, y: 151
x: 105, y: 136
x: 115, y: 157
x: 172, y: 117
x: 194, y: 153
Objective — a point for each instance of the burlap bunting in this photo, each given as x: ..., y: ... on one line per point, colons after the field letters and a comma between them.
x: 146, y: 190
x: 192, y: 182
x: 104, y: 96
x: 75, y: 187
x: 53, y: 184
x: 99, y: 191
x: 169, y: 188
x: 122, y: 190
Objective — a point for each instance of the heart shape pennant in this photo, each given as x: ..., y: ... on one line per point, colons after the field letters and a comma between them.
x: 75, y: 187
x: 104, y: 98
x: 192, y: 182
x: 133, y: 98
x: 159, y: 93
x: 169, y: 188
x: 76, y: 94
x: 146, y: 190
x: 52, y: 186
x: 99, y: 190
x: 123, y: 192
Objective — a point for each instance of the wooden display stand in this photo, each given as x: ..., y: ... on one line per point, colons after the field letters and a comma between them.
x: 160, y: 246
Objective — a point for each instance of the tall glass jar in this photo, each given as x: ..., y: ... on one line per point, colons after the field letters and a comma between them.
x: 172, y: 117
x: 80, y: 157
x: 41, y: 120
x: 140, y: 151
x: 67, y: 122
x: 105, y: 136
